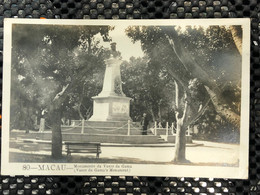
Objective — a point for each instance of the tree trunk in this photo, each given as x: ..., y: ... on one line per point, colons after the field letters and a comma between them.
x: 27, y: 124
x: 224, y: 112
x: 180, y: 143
x: 80, y: 103
x: 89, y: 45
x: 56, y: 135
x: 236, y: 32
x: 180, y: 139
x: 55, y: 111
x: 159, y: 113
x: 152, y: 113
x: 79, y: 112
x: 88, y: 113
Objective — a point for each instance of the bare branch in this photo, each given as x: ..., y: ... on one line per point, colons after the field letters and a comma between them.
x: 176, y: 94
x: 61, y: 93
x: 230, y: 116
x: 185, y: 107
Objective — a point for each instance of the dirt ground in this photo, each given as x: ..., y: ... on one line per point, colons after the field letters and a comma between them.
x: 204, y: 153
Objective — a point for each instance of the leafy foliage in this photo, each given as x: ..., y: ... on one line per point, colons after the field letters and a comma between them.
x: 148, y: 87
x: 195, y: 57
x: 46, y: 59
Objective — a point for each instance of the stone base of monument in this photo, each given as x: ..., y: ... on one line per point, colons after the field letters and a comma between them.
x: 117, y: 139
x: 110, y: 128
x: 111, y: 108
x: 172, y: 138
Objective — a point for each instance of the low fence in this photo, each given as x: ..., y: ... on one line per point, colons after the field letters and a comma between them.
x: 128, y: 128
x: 158, y: 129
x: 82, y: 124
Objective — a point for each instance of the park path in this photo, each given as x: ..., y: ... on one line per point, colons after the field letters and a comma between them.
x: 203, y: 153
x: 209, y: 152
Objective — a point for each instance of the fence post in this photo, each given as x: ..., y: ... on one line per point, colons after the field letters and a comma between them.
x: 42, y: 125
x: 128, y: 127
x: 82, y: 126
x: 72, y: 122
x: 167, y: 133
x: 172, y: 129
x: 188, y: 130
x: 155, y: 128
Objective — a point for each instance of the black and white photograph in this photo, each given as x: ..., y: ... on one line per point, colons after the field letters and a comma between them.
x: 114, y: 97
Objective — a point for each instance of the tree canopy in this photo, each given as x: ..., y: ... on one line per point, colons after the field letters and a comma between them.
x: 47, y: 58
x: 53, y: 65
x: 204, y: 61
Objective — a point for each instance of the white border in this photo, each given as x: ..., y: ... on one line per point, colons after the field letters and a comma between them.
x: 137, y: 169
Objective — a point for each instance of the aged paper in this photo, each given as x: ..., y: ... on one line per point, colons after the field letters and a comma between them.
x: 126, y: 97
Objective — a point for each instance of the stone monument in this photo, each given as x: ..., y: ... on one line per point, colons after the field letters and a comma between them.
x: 111, y: 104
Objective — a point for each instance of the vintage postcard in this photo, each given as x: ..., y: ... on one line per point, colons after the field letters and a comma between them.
x: 126, y: 97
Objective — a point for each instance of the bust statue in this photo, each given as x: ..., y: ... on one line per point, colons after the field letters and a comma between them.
x: 113, y: 52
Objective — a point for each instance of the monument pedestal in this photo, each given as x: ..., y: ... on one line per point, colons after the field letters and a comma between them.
x: 111, y: 108
x: 111, y: 104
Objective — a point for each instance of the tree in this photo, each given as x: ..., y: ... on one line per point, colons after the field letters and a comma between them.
x: 56, y: 63
x: 180, y: 142
x: 192, y: 57
x: 198, y: 71
x: 236, y: 32
x: 148, y: 87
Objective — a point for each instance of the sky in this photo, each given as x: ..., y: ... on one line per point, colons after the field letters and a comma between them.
x: 123, y: 43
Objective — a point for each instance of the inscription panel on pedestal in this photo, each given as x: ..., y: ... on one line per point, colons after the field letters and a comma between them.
x: 120, y: 108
